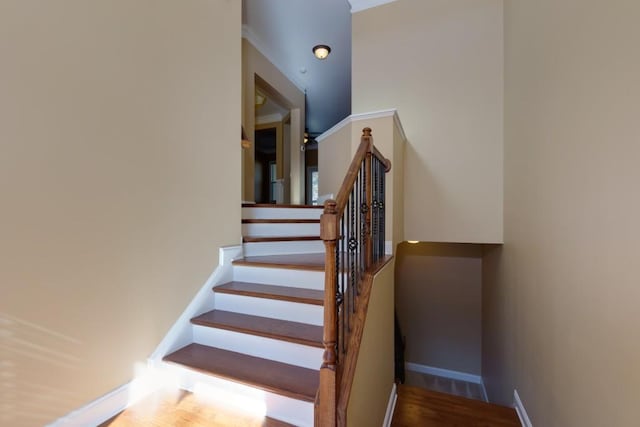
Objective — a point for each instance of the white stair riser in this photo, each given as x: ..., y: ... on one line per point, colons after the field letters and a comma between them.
x: 293, y: 411
x: 280, y: 277
x: 274, y: 309
x: 283, y: 248
x: 278, y: 230
x: 265, y: 348
x: 281, y: 213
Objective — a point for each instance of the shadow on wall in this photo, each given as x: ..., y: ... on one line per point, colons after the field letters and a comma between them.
x: 439, y: 304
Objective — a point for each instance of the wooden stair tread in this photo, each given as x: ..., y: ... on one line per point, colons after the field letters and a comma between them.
x: 288, y: 380
x: 274, y: 206
x: 260, y: 239
x: 282, y: 293
x: 314, y: 261
x: 300, y: 333
x: 280, y: 221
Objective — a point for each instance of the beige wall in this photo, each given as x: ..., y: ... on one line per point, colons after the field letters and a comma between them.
x: 439, y: 304
x: 119, y: 177
x: 397, y: 186
x: 439, y: 62
x: 374, y: 376
x: 563, y: 294
x: 334, y: 158
x: 287, y: 94
x: 337, y: 149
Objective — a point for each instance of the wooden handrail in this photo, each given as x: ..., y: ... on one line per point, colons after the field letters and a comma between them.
x: 352, y: 228
x: 350, y: 177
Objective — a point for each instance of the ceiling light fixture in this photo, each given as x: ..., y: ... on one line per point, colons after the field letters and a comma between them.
x: 321, y: 51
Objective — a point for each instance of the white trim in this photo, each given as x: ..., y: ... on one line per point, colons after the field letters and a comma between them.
x: 365, y: 116
x: 251, y: 37
x: 97, y: 411
x: 454, y: 375
x: 333, y: 129
x: 398, y: 123
x: 391, y: 406
x: 374, y: 114
x: 522, y: 413
x: 388, y: 247
x: 360, y: 5
x: 485, y: 396
x: 181, y: 333
x: 382, y: 113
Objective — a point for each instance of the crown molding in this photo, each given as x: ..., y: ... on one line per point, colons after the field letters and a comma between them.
x: 360, y: 5
x: 365, y: 116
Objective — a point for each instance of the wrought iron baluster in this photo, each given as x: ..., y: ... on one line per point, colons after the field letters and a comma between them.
x: 382, y: 208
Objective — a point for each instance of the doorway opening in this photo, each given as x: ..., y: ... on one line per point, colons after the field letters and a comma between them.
x: 272, y: 154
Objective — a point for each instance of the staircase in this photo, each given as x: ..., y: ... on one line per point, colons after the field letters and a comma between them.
x: 261, y: 345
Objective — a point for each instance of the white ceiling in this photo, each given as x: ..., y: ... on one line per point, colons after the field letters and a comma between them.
x: 286, y: 30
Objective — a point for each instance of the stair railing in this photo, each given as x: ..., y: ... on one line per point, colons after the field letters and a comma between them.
x: 353, y: 230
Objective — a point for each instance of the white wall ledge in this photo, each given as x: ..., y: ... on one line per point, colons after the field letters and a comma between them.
x: 365, y: 116
x: 360, y: 5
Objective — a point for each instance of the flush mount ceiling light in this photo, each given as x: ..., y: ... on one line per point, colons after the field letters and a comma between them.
x: 321, y: 51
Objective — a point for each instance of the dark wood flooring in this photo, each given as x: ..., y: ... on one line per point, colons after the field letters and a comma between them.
x: 425, y: 408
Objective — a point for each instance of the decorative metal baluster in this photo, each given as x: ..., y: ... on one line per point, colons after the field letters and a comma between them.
x: 374, y: 207
x: 363, y: 221
x: 338, y: 291
x: 381, y: 207
x: 353, y: 231
x: 377, y: 245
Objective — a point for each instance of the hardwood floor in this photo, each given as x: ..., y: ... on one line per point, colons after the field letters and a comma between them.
x: 164, y: 409
x: 424, y: 408
x: 416, y: 407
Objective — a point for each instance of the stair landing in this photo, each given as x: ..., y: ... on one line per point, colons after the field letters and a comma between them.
x: 420, y: 407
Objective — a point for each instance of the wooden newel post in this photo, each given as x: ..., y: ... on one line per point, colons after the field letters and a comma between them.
x: 327, y: 392
x: 368, y: 245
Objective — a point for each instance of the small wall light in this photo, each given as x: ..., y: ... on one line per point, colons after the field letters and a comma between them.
x: 413, y: 242
x: 321, y: 51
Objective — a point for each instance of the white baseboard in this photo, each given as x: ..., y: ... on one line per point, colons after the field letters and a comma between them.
x: 391, y: 406
x: 98, y: 411
x: 522, y: 413
x: 180, y: 333
x: 455, y: 375
x: 485, y: 396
